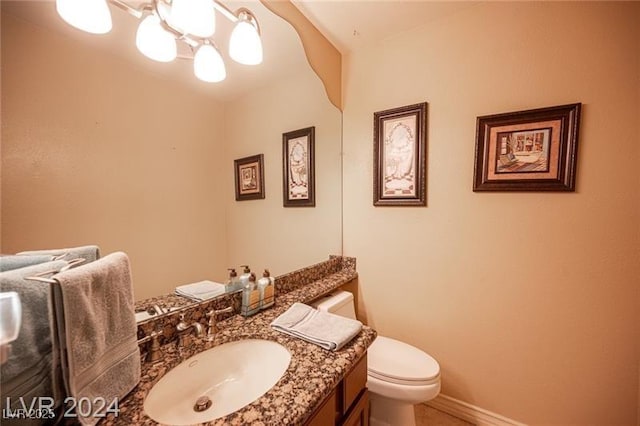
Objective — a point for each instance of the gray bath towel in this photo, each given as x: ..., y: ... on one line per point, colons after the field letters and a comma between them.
x: 89, y: 253
x: 96, y: 329
x: 11, y: 262
x: 30, y: 370
x: 324, y: 329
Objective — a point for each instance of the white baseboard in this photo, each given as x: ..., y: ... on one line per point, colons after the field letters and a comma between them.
x: 471, y: 413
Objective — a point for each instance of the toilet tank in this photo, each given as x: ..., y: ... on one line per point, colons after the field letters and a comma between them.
x: 339, y: 303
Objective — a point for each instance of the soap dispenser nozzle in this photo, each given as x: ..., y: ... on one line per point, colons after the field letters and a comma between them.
x: 246, y: 269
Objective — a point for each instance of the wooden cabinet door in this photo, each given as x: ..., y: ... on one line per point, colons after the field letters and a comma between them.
x: 348, y: 403
x: 359, y: 412
x: 353, y: 384
x: 326, y: 414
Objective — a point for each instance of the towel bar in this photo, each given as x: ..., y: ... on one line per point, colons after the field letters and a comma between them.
x: 39, y: 277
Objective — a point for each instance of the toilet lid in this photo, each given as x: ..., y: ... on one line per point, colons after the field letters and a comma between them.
x: 398, y: 362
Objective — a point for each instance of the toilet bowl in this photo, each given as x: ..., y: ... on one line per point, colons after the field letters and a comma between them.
x: 399, y: 375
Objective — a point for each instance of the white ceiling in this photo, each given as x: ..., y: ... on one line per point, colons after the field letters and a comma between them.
x: 349, y: 24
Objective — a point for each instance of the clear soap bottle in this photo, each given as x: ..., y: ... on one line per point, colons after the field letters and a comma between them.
x: 250, y: 297
x: 267, y: 290
x: 233, y: 284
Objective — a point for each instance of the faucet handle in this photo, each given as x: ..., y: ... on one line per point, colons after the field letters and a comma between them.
x: 153, y: 353
x: 213, y: 323
x: 213, y: 312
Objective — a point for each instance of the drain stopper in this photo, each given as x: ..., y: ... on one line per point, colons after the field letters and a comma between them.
x: 202, y: 403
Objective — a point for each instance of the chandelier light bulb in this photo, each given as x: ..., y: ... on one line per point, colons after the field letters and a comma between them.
x: 92, y: 16
x: 155, y: 42
x: 208, y: 64
x: 195, y: 17
x: 245, y: 45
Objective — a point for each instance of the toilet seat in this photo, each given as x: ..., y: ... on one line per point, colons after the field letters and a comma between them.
x: 397, y: 362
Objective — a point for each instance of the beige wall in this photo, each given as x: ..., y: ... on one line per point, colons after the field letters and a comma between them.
x: 263, y: 233
x: 130, y: 161
x: 529, y: 301
x: 95, y: 151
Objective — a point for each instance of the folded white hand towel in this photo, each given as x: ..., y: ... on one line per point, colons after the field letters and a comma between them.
x: 324, y: 329
x: 201, y: 290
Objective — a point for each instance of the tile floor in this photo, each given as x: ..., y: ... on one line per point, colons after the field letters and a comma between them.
x: 429, y: 416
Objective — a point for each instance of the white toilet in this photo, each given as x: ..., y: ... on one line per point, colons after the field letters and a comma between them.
x: 399, y: 375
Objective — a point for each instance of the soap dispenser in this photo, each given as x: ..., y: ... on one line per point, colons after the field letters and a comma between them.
x: 233, y: 284
x: 267, y: 290
x: 244, y: 278
x: 250, y: 297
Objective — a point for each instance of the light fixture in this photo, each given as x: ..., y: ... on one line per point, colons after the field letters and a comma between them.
x: 195, y: 17
x: 155, y: 42
x: 208, y: 64
x: 164, y: 23
x: 245, y: 45
x: 92, y: 16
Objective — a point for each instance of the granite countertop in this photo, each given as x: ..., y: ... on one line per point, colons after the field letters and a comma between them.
x: 311, y: 376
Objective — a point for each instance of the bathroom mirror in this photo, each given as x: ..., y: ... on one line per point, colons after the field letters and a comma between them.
x: 101, y: 145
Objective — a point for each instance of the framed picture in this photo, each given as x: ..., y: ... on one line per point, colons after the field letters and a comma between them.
x: 298, y: 168
x: 532, y: 150
x: 249, y: 178
x: 400, y: 156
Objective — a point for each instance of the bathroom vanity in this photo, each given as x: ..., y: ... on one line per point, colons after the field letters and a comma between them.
x: 348, y: 403
x: 319, y: 387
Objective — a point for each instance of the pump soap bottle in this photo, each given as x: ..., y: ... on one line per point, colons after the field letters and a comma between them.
x: 244, y: 278
x: 250, y: 297
x: 267, y: 290
x: 234, y: 283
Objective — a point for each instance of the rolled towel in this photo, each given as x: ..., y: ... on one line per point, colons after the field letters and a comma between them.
x: 88, y: 253
x: 201, y: 290
x: 324, y: 329
x: 11, y: 262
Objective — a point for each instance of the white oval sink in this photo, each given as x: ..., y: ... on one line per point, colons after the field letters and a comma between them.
x: 230, y: 376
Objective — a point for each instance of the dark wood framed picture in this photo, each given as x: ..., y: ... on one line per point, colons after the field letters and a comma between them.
x: 400, y: 156
x: 533, y: 150
x: 298, y: 168
x: 249, y: 173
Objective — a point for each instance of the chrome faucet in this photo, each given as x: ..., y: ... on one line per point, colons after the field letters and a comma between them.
x: 213, y: 322
x: 183, y: 330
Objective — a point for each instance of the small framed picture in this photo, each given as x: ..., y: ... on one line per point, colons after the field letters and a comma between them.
x: 400, y: 156
x: 533, y: 150
x: 298, y: 166
x: 249, y: 173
